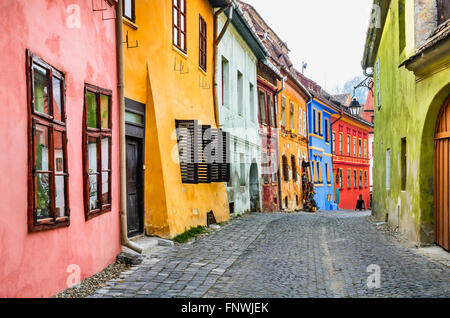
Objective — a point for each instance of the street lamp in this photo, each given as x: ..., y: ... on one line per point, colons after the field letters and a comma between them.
x: 354, y: 107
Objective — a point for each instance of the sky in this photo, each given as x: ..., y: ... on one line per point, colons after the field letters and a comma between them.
x: 329, y: 35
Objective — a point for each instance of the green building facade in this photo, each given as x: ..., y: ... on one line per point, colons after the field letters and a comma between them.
x: 407, y: 53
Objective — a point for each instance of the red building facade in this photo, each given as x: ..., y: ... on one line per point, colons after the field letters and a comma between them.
x: 351, y: 167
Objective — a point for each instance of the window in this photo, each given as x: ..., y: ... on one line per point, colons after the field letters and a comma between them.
x: 328, y: 173
x: 401, y: 25
x: 129, y: 9
x: 314, y: 122
x: 349, y: 181
x: 97, y: 151
x: 354, y: 179
x: 403, y: 163
x: 202, y: 44
x: 294, y: 168
x: 378, y: 75
x: 225, y: 82
x: 365, y: 179
x: 283, y: 111
x: 388, y: 169
x: 365, y: 148
x: 443, y: 11
x: 299, y: 127
x: 340, y: 144
x: 291, y: 117
x: 327, y: 136
x: 304, y: 123
x: 320, y: 123
x: 273, y: 167
x: 319, y: 173
x: 340, y: 178
x: 348, y: 145
x: 252, y: 101
x: 285, y: 168
x: 240, y: 93
x: 48, y: 201
x: 179, y: 24
x: 314, y: 173
x: 262, y: 107
x: 271, y: 110
x: 333, y: 144
x: 354, y: 147
x: 360, y: 178
x: 242, y: 172
x: 360, y: 147
x: 265, y: 166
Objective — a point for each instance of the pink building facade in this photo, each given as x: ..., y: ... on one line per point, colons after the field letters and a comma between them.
x: 59, y: 152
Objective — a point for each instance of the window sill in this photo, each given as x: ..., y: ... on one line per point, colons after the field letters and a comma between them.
x: 92, y: 214
x: 203, y: 71
x: 60, y: 222
x: 130, y: 23
x: 177, y: 50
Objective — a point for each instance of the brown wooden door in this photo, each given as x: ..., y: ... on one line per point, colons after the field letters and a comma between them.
x: 135, y: 202
x: 442, y: 178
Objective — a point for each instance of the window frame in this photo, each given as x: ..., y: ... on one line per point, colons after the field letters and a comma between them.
x: 203, y: 42
x: 177, y: 9
x: 99, y: 134
x: 133, y: 11
x: 37, y: 118
x: 327, y: 135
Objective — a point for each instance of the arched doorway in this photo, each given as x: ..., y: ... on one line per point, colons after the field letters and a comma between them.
x: 254, y: 188
x: 442, y: 177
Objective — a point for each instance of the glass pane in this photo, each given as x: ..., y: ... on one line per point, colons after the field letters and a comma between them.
x: 105, y: 188
x: 91, y: 100
x: 105, y: 153
x: 57, y: 99
x: 59, y: 152
x: 42, y: 196
x: 60, y: 201
x: 104, y: 110
x: 42, y: 148
x: 182, y: 41
x: 128, y: 8
x: 134, y: 118
x: 271, y: 119
x: 182, y: 25
x: 93, y: 192
x: 175, y: 17
x: 262, y: 106
x: 175, y: 36
x: 93, y: 155
x: 41, y: 88
x: 181, y: 2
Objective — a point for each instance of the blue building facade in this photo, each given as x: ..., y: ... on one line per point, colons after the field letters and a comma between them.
x: 320, y: 152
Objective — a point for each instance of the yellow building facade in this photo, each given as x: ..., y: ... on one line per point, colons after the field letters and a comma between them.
x: 293, y: 142
x: 168, y: 68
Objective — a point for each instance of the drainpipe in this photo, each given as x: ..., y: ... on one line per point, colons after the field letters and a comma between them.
x: 121, y: 97
x: 217, y: 40
x: 278, y: 92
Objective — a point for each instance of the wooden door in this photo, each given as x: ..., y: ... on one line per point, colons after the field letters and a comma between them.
x: 135, y: 202
x: 442, y: 178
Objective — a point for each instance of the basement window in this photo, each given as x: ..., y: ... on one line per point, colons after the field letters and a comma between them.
x: 48, y: 195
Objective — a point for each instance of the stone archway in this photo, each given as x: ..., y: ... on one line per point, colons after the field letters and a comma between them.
x: 254, y: 187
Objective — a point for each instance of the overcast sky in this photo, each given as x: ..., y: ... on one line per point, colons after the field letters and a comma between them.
x: 327, y: 34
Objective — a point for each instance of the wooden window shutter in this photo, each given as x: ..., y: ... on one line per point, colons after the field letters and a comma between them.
x: 285, y: 169
x: 187, y: 138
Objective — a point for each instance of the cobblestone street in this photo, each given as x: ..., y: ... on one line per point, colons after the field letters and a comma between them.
x: 325, y: 254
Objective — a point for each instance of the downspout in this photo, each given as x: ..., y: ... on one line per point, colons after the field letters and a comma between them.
x: 121, y: 97
x: 278, y: 92
x: 217, y: 40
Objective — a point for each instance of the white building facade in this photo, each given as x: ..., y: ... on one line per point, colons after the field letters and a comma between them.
x: 237, y: 58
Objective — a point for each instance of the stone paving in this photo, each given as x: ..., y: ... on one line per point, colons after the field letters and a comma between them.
x: 325, y: 254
